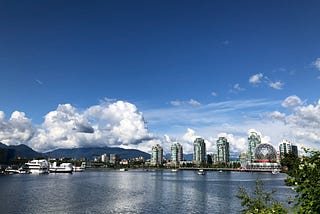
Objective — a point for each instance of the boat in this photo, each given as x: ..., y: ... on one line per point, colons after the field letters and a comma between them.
x: 123, y: 169
x: 201, y: 172
x: 62, y: 168
x: 174, y: 170
x: 220, y: 171
x: 78, y: 169
x: 21, y: 170
x: 37, y: 166
x: 10, y: 170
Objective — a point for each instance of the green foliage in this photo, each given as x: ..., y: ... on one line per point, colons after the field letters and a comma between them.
x: 290, y: 163
x: 306, y: 178
x: 260, y: 202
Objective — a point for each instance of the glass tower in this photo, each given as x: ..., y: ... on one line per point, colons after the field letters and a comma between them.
x: 223, y: 155
x: 157, y: 155
x: 253, y: 141
x: 286, y: 147
x: 199, y: 155
x: 176, y: 153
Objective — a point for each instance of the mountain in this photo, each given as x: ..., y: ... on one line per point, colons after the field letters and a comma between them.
x: 8, y: 153
x: 91, y: 153
x: 23, y: 151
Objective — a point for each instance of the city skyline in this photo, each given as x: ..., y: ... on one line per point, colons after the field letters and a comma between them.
x: 80, y: 74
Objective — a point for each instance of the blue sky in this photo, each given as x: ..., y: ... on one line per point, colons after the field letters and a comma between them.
x: 173, y: 69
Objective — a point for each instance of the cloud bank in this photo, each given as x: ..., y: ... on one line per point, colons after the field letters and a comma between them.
x: 116, y: 124
x: 120, y: 124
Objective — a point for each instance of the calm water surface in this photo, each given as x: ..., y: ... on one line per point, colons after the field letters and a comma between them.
x: 134, y: 191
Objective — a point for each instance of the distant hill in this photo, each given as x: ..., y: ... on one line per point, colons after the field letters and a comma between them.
x: 8, y: 153
x: 24, y: 151
x: 91, y: 153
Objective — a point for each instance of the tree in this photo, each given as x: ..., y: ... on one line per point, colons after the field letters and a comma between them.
x: 260, y: 202
x: 290, y: 162
x: 306, y: 178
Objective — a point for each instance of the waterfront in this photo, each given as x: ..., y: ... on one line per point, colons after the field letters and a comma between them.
x: 133, y: 191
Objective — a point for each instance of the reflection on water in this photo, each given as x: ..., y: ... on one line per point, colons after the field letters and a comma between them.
x: 133, y: 191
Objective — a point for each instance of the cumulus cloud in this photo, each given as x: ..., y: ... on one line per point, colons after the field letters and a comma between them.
x: 316, y: 63
x: 194, y: 102
x: 276, y: 115
x: 303, y: 119
x: 108, y: 124
x: 214, y: 94
x: 276, y: 85
x: 292, y: 102
x: 255, y: 79
x: 190, y: 136
x: 18, y: 129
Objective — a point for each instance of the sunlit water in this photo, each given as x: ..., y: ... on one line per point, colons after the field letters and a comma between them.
x: 133, y: 191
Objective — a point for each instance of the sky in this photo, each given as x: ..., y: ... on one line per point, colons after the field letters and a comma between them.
x: 133, y: 74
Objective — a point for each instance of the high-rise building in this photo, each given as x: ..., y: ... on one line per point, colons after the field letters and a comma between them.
x: 157, y: 155
x: 212, y: 158
x: 104, y: 158
x: 176, y: 153
x: 253, y: 141
x: 223, y: 155
x: 285, y: 147
x: 294, y: 149
x: 114, y: 158
x: 199, y: 155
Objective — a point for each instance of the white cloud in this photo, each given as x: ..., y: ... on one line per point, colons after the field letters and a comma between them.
x: 276, y: 115
x: 292, y: 102
x: 194, y: 102
x: 276, y: 85
x: 176, y: 103
x: 121, y: 124
x: 18, y: 129
x: 190, y: 136
x: 303, y: 121
x: 236, y: 88
x: 108, y: 124
x: 255, y: 79
x: 258, y: 78
x: 188, y: 139
x: 316, y: 63
x: 191, y: 102
x: 214, y: 94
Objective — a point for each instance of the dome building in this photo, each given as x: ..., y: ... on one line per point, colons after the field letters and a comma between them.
x: 265, y: 156
x: 265, y: 153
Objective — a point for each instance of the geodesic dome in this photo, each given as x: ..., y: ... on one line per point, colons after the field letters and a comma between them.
x: 265, y: 153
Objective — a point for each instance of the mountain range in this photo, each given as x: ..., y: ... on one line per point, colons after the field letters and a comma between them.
x: 91, y: 153
x: 8, y: 153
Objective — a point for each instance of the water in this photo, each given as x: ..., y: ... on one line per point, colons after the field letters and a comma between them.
x: 133, y: 191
